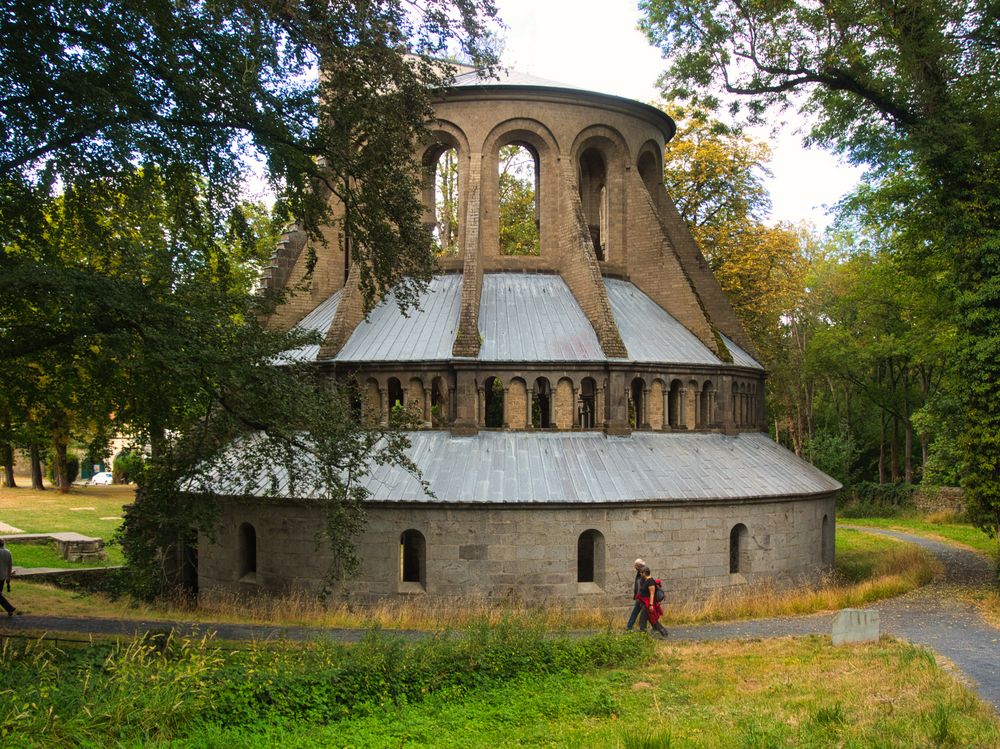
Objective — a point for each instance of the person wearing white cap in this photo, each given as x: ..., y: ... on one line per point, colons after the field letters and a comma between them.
x: 637, y: 607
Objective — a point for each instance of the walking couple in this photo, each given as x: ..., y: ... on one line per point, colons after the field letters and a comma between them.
x: 647, y: 593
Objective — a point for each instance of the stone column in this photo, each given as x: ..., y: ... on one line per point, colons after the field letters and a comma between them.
x: 530, y: 407
x: 665, y: 424
x: 428, y: 419
x: 697, y: 409
x: 576, y: 407
x: 481, y: 408
x: 644, y: 421
x: 383, y: 397
x: 506, y: 408
x: 711, y: 409
x: 682, y: 398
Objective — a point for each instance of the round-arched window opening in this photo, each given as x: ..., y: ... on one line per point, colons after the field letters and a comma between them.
x: 494, y: 396
x: 247, y: 553
x: 446, y: 195
x: 412, y: 557
x: 593, y: 179
x: 518, y: 176
x: 739, y: 551
x: 590, y: 557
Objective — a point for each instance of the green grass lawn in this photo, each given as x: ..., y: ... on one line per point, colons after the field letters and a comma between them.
x: 962, y: 533
x: 781, y: 693
x: 91, y: 510
x: 46, y: 555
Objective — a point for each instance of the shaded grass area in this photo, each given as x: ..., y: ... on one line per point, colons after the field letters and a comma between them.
x: 943, y: 528
x: 91, y: 510
x: 47, y: 555
x: 868, y: 568
x: 500, y: 690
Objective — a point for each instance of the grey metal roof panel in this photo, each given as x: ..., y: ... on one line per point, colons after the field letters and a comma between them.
x: 533, y: 317
x: 649, y: 332
x: 319, y: 321
x: 426, y: 333
x: 740, y: 357
x: 505, y: 78
x: 589, y: 467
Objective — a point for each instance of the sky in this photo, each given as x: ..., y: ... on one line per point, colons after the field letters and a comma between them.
x: 595, y: 45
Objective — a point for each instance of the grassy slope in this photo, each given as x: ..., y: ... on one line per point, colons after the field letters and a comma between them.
x: 961, y: 533
x: 777, y: 693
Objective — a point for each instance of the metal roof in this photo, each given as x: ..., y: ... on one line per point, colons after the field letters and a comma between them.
x: 506, y: 78
x: 587, y: 468
x: 740, y: 357
x: 649, y: 332
x: 319, y: 321
x: 423, y: 334
x: 533, y: 317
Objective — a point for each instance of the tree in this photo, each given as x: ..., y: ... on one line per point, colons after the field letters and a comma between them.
x: 910, y: 89
x: 128, y: 254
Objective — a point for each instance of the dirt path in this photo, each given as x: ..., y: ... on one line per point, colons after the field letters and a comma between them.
x: 935, y: 616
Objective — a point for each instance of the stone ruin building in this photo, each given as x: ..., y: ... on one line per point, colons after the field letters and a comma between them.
x: 589, y: 401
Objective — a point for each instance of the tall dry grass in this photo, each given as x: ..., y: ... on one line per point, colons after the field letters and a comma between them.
x: 898, y: 571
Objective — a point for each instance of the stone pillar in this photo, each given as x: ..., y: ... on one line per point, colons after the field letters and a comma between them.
x: 617, y: 406
x: 665, y: 424
x: 576, y: 407
x: 711, y: 409
x: 682, y: 399
x: 600, y: 406
x: 697, y: 409
x: 506, y: 408
x: 530, y: 407
x: 481, y: 408
x: 428, y: 419
x: 466, y: 398
x: 644, y: 420
x: 383, y: 397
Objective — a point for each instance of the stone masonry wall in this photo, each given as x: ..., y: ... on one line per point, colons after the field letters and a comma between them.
x: 529, y: 553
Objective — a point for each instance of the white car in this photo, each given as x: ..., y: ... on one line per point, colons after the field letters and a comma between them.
x: 104, y: 477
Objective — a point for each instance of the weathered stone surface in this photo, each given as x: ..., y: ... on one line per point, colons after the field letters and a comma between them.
x: 855, y: 625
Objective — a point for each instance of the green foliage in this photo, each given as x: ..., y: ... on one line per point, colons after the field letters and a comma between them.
x: 835, y: 454
x: 72, y: 470
x: 159, y: 688
x: 870, y: 499
x: 128, y: 467
x: 911, y: 92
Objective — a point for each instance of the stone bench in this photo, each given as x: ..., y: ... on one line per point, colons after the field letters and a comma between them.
x: 73, y: 547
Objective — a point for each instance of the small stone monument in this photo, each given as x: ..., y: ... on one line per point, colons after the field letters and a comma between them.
x: 855, y: 625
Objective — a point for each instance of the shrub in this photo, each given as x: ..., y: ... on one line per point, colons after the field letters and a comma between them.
x: 127, y: 467
x: 72, y: 470
x: 871, y: 500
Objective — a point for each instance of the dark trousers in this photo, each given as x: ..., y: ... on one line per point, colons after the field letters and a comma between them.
x: 6, y: 604
x: 635, y: 614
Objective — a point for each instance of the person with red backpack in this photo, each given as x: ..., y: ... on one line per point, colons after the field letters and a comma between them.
x: 650, y: 594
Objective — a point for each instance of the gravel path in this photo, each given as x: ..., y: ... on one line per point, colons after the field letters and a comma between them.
x: 933, y: 615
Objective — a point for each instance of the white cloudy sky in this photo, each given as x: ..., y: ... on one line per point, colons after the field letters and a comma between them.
x: 594, y: 45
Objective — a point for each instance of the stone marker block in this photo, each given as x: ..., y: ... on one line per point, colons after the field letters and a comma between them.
x: 855, y: 625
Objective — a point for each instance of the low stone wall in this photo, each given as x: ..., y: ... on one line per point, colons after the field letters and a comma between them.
x: 530, y: 554
x: 933, y: 499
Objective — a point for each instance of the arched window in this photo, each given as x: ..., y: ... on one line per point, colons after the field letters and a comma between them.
x: 445, y: 229
x: 412, y: 557
x: 440, y: 410
x: 649, y: 170
x: 541, y: 407
x: 594, y: 197
x: 397, y: 401
x: 590, y: 557
x: 247, y: 553
x: 707, y: 404
x: 493, y: 395
x: 588, y: 403
x: 518, y: 189
x: 674, y: 418
x: 637, y: 404
x: 738, y: 551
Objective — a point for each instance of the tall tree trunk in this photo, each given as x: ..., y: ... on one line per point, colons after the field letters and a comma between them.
x: 907, y: 429
x: 894, y: 449
x: 36, y: 468
x: 881, y: 446
x: 60, y: 471
x: 7, y: 453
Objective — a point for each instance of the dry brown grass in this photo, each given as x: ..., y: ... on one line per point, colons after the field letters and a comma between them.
x: 943, y: 517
